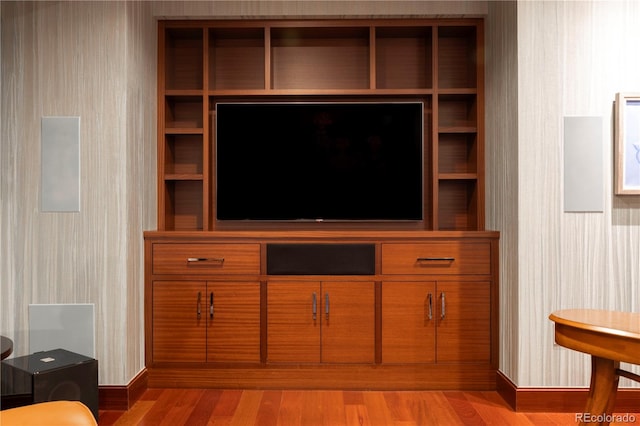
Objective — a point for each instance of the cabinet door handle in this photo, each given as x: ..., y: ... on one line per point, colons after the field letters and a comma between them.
x: 211, y: 305
x: 430, y: 307
x: 443, y: 305
x: 326, y: 305
x: 198, y: 306
x: 436, y: 259
x: 314, y: 306
x: 219, y: 260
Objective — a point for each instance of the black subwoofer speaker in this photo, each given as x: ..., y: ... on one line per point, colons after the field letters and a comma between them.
x: 56, y: 375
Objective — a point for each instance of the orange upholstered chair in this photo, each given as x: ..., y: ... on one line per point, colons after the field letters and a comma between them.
x: 54, y: 413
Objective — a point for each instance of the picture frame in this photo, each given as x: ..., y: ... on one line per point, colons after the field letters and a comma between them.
x: 627, y: 144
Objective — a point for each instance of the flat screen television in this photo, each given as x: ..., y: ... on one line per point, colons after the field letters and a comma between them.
x: 319, y: 161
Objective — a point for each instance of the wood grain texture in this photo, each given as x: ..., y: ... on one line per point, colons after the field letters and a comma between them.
x: 233, y: 333
x: 281, y: 407
x: 408, y: 322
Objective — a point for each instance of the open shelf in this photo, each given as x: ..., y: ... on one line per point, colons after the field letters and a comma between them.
x: 457, y: 113
x: 183, y: 155
x: 404, y: 58
x: 183, y: 59
x: 183, y: 112
x: 434, y: 61
x: 236, y: 58
x: 183, y: 205
x: 320, y: 58
x: 457, y: 153
x: 457, y: 56
x: 457, y: 204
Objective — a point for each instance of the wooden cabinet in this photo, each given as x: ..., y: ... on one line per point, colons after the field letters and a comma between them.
x: 204, y: 306
x: 197, y: 321
x: 423, y: 316
x: 464, y: 322
x: 442, y: 322
x: 197, y: 259
x: 178, y: 332
x: 445, y: 319
x: 409, y: 322
x: 328, y: 322
x: 436, y: 62
x: 451, y: 258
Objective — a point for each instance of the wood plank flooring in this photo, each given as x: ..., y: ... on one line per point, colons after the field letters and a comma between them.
x: 174, y: 407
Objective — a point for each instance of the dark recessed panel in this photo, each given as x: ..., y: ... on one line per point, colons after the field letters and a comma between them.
x: 320, y: 259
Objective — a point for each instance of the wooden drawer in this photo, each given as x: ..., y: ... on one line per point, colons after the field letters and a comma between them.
x: 436, y: 258
x: 206, y: 259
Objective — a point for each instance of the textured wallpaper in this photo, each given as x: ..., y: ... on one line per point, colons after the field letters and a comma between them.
x: 572, y: 58
x: 96, y: 61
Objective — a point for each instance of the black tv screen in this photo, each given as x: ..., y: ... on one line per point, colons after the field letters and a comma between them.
x: 319, y: 161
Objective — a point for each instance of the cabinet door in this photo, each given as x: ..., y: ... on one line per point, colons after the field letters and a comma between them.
x: 233, y: 312
x: 464, y: 322
x: 293, y: 321
x: 348, y: 322
x: 408, y: 322
x: 179, y: 321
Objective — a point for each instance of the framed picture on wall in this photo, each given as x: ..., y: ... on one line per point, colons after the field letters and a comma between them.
x: 627, y: 143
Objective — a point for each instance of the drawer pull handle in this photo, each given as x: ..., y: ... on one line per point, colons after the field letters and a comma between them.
x: 435, y: 259
x: 430, y: 307
x: 198, y: 307
x: 314, y: 306
x: 443, y: 305
x: 326, y: 305
x: 211, y: 305
x: 219, y: 260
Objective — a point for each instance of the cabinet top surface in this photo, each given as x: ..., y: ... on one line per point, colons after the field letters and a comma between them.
x: 354, y: 22
x: 350, y: 235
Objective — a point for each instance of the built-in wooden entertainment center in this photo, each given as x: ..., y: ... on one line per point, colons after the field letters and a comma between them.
x: 313, y: 304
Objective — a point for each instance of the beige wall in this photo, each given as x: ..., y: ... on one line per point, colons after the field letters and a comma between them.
x: 501, y: 153
x: 545, y: 60
x: 97, y: 61
x: 570, y: 59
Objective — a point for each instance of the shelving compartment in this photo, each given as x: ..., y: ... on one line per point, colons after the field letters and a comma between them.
x: 183, y: 156
x: 183, y: 59
x: 457, y: 113
x: 403, y: 58
x: 183, y: 205
x: 458, y: 154
x: 457, y: 60
x: 320, y: 58
x: 236, y: 59
x: 457, y: 204
x: 183, y: 113
x: 436, y: 61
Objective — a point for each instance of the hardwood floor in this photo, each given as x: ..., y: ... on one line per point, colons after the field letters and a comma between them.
x: 174, y: 407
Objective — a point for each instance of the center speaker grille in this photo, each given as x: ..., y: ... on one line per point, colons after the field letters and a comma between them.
x: 321, y: 259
